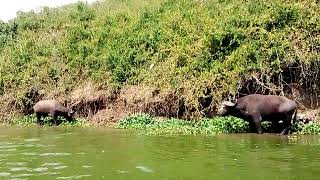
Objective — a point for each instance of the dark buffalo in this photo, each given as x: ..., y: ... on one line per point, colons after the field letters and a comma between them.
x: 53, y: 108
x: 256, y: 108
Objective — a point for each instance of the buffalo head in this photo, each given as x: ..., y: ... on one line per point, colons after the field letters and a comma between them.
x: 226, y: 107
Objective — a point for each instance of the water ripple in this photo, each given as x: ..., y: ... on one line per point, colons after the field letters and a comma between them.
x: 28, y: 145
x: 42, y: 145
x: 49, y: 173
x: 81, y: 176
x: 22, y: 175
x: 145, y: 169
x: 65, y: 177
x: 121, y: 171
x: 40, y: 169
x: 2, y: 174
x: 9, y: 146
x: 55, y: 154
x: 60, y: 167
x: 8, y: 150
x: 5, y: 143
x: 29, y: 154
x: 73, y: 177
x: 87, y: 166
x: 51, y: 164
x: 20, y: 169
x: 82, y: 153
x: 17, y: 163
x: 16, y: 179
x: 32, y: 140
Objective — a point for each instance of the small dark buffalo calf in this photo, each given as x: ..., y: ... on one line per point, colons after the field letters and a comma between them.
x: 51, y: 108
x: 256, y: 108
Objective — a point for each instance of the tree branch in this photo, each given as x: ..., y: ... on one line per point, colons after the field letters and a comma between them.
x: 263, y: 85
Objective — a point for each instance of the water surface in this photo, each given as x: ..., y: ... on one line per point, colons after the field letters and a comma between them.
x: 104, y: 153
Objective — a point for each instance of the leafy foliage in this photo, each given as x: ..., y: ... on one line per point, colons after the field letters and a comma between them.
x: 177, y: 126
x: 31, y: 120
x: 309, y: 128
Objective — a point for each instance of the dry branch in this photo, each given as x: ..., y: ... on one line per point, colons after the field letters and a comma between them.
x: 263, y: 85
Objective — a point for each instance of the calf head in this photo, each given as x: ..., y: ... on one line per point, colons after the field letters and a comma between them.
x: 226, y: 108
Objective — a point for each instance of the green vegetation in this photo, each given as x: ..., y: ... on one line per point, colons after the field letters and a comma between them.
x: 310, y: 128
x: 31, y: 120
x: 217, y: 125
x: 152, y: 125
x: 156, y: 126
x: 195, y: 48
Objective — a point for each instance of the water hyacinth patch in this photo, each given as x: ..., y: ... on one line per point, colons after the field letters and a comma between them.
x: 309, y: 128
x: 31, y: 120
x: 208, y: 126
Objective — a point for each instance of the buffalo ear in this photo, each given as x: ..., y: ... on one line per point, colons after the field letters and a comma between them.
x: 228, y: 103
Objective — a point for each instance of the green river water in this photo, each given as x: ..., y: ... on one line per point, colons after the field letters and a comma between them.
x: 104, y: 153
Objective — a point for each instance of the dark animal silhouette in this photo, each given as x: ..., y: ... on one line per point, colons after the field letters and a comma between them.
x: 52, y: 108
x: 256, y: 108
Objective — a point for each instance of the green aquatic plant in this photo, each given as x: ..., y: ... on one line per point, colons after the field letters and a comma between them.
x: 208, y: 126
x: 227, y: 124
x: 152, y: 125
x: 25, y: 120
x: 138, y: 121
x: 308, y: 128
x: 266, y: 125
x: 47, y: 121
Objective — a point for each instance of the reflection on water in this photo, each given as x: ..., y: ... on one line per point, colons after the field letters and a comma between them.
x: 101, y: 153
x: 4, y: 174
x: 145, y: 169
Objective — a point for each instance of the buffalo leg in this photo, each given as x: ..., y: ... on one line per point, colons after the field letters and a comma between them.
x: 38, y: 118
x: 55, y: 120
x: 287, y: 125
x: 257, y: 120
x: 286, y: 129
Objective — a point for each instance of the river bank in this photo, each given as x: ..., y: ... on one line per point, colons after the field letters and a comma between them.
x: 166, y: 58
x: 148, y: 124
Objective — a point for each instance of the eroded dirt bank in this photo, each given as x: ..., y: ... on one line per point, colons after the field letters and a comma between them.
x: 104, y: 106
